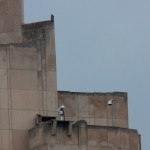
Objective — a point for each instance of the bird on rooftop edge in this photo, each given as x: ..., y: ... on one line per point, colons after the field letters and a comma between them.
x: 52, y: 17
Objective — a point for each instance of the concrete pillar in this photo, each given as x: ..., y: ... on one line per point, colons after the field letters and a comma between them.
x: 11, y: 18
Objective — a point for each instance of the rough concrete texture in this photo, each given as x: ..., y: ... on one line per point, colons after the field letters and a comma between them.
x: 11, y: 18
x: 28, y: 83
x: 83, y: 137
x: 28, y: 87
x: 94, y: 108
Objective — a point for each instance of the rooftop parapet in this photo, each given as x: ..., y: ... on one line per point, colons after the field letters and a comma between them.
x: 83, y: 135
x: 94, y: 107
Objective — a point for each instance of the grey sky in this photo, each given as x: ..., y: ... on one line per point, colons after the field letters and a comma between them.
x: 102, y: 46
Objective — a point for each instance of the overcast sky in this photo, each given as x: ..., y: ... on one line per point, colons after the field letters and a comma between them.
x: 102, y: 46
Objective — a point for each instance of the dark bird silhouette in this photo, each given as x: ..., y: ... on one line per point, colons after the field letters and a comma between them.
x: 52, y: 17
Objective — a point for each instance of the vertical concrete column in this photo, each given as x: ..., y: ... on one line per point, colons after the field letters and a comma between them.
x: 50, y: 69
x: 82, y: 133
x: 70, y: 131
x: 43, y: 38
x: 54, y: 127
x: 11, y: 18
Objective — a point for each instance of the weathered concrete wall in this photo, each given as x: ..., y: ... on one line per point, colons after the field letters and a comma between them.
x: 93, y: 108
x: 42, y: 36
x: 28, y: 87
x: 84, y: 137
x: 27, y: 84
x: 11, y: 18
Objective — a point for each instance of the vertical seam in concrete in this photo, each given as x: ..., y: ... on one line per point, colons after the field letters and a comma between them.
x: 40, y: 91
x: 78, y: 135
x: 94, y: 113
x: 22, y: 11
x: 45, y: 78
x: 77, y: 106
x: 107, y: 136
x: 0, y: 129
x: 0, y: 26
x: 9, y: 97
x: 119, y: 138
x: 1, y: 138
x: 127, y: 119
x: 129, y: 140
x: 88, y: 110
x: 114, y: 112
x: 107, y: 109
x: 44, y: 70
x: 53, y: 36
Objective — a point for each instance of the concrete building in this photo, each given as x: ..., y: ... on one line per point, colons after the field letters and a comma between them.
x: 29, y: 99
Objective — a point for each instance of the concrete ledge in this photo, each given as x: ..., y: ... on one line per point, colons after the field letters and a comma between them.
x: 84, y: 135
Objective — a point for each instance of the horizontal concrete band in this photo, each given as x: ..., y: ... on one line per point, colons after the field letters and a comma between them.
x: 84, y: 135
